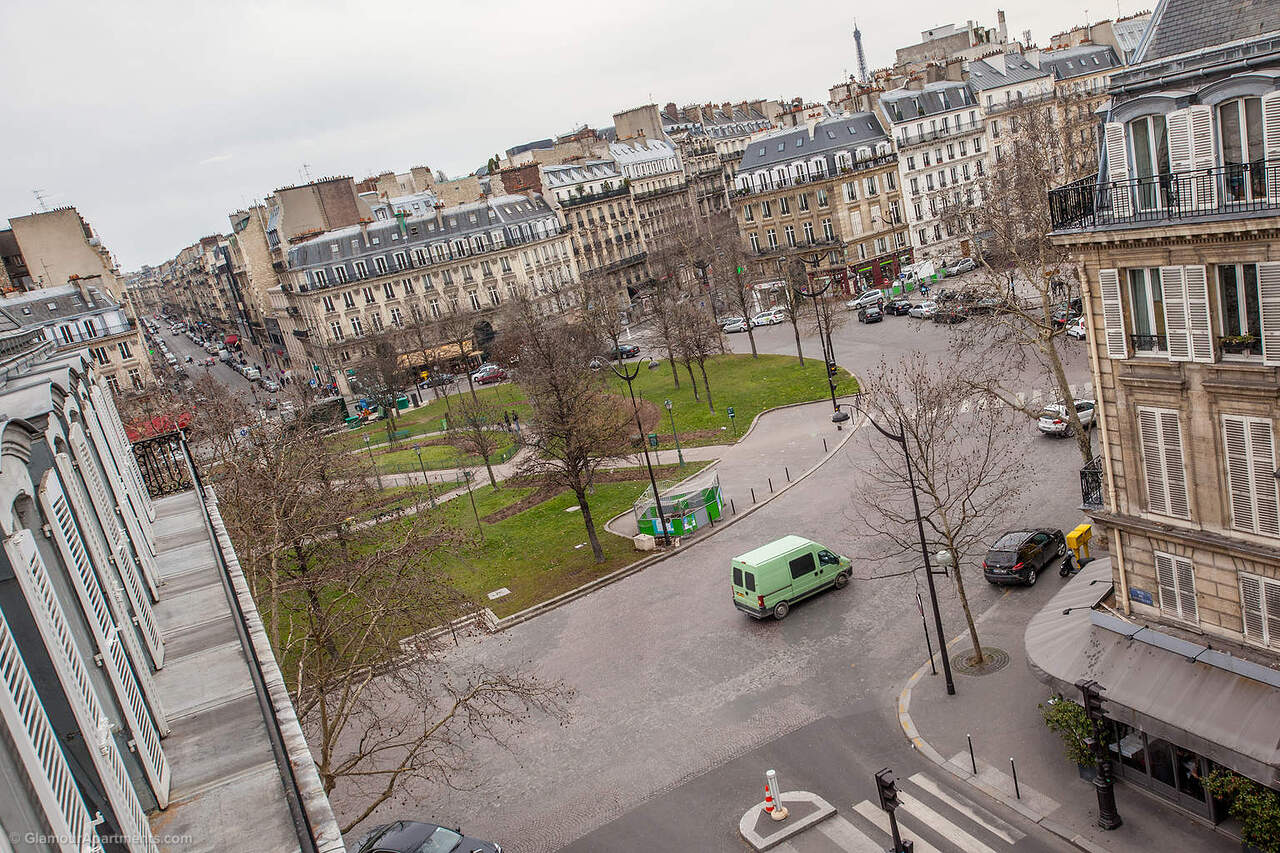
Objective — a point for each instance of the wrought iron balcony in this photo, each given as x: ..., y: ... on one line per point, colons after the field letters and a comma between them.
x: 162, y: 461
x: 1248, y: 188
x: 1091, y: 484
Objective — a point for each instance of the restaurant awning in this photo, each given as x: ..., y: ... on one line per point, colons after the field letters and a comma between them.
x: 444, y: 353
x: 232, y: 340
x: 1222, y: 706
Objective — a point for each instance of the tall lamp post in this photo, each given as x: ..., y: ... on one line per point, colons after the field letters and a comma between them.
x: 679, y: 454
x: 628, y: 376
x: 377, y: 475
x: 824, y: 338
x: 431, y: 498
x: 901, y: 439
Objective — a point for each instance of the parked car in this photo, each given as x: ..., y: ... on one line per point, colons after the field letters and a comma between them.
x: 962, y: 266
x: 1019, y: 556
x: 772, y: 317
x: 1053, y: 420
x: 735, y: 324
x: 436, y: 380
x: 623, y: 351
x: 412, y: 836
x: 950, y: 316
x: 987, y: 305
x: 212, y: 349
x: 1063, y: 317
x: 210, y: 361
x: 1077, y: 329
x: 923, y: 310
x: 946, y: 295
x: 271, y: 386
x: 870, y: 314
x: 488, y: 373
x: 897, y: 307
x: 867, y: 297
x: 769, y: 579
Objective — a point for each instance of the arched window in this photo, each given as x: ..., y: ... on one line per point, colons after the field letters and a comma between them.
x: 1240, y: 136
x: 1149, y: 139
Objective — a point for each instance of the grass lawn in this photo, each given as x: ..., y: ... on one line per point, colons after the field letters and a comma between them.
x: 437, y: 456
x: 428, y: 418
x: 749, y: 385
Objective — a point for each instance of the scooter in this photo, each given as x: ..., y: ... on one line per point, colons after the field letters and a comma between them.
x: 1069, y: 566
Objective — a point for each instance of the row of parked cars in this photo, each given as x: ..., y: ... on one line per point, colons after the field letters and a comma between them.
x: 768, y: 317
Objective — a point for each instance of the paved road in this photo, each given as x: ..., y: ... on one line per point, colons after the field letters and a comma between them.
x: 182, y: 347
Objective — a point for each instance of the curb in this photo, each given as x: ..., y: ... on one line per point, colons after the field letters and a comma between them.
x: 926, y: 749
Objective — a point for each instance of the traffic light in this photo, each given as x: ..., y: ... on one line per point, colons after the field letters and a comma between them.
x: 832, y: 368
x: 887, y: 788
x: 1094, y: 704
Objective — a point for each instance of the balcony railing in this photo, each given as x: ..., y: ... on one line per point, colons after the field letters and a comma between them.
x: 774, y: 183
x: 661, y: 191
x: 163, y: 464
x: 72, y: 335
x: 1149, y: 343
x: 588, y: 198
x: 1235, y: 189
x: 1091, y: 484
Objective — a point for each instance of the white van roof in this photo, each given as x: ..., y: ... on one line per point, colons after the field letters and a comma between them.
x: 774, y: 549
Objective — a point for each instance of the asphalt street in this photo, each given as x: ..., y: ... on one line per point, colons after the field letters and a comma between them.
x: 182, y: 347
x: 682, y: 702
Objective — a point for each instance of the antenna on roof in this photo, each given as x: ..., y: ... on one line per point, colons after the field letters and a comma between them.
x: 306, y: 172
x: 862, y: 57
x: 39, y: 194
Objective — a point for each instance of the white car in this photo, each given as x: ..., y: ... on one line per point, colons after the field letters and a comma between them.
x: 862, y: 300
x: 1076, y: 329
x: 1053, y: 420
x: 962, y: 266
x: 924, y: 310
x: 772, y: 317
x: 735, y: 324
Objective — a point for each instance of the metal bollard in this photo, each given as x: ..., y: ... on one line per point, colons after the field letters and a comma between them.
x: 770, y: 479
x: 788, y: 473
x: 1016, y: 792
x: 972, y: 760
x: 733, y: 507
x: 772, y: 802
x: 824, y: 446
x: 753, y: 494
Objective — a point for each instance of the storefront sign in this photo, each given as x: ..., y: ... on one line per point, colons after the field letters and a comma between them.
x: 1141, y: 596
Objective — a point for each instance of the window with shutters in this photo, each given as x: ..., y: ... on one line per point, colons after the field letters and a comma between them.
x: 1260, y: 609
x: 1150, y: 147
x: 1160, y: 440
x: 1177, y: 582
x: 1239, y: 310
x: 1146, y: 312
x: 1249, y: 445
x: 1240, y: 138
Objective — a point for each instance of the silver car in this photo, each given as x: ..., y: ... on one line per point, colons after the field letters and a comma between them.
x: 924, y: 310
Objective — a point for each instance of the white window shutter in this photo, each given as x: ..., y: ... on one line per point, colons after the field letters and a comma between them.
x: 1269, y: 301
x: 1166, y: 581
x: 1113, y: 313
x: 1175, y: 473
x: 1186, y: 577
x: 1262, y: 463
x: 1118, y: 168
x: 1251, y: 608
x: 1175, y: 313
x: 1152, y: 461
x: 1236, y: 444
x: 1271, y: 609
x: 1204, y: 158
x: 1178, y: 128
x: 1196, y: 290
x: 1271, y: 141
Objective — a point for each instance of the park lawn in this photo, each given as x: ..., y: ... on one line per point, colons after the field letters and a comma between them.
x: 428, y: 418
x: 749, y: 385
x: 439, y: 456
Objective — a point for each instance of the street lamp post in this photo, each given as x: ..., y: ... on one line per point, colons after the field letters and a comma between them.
x: 674, y: 434
x: 431, y: 498
x: 628, y: 376
x: 373, y: 462
x: 901, y: 439
x: 466, y: 474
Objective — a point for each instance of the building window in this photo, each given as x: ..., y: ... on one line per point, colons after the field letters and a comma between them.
x: 375, y: 320
x: 784, y: 205
x: 328, y: 304
x: 402, y: 260
x: 808, y: 232
x: 467, y: 275
x: 389, y: 289
x: 771, y: 238
x: 790, y: 233
x: 494, y: 298
x: 357, y: 328
x: 321, y: 278
x: 915, y: 186
x: 99, y: 355
x: 891, y: 180
x: 135, y: 379
x: 1240, y: 131
x: 1160, y: 441
x: 380, y: 264
x: 827, y: 232
x: 446, y: 276
x: 368, y: 296
x: 486, y: 269
x: 1177, y: 582
x: 340, y: 274
x: 851, y: 191
x: 766, y: 210
x: 1239, y: 311
x: 362, y: 269
x: 1150, y: 157
x: 900, y: 239
x: 475, y: 300
x: 1251, y: 480
x: 349, y: 299
x: 420, y: 257
x: 396, y: 317
x: 504, y: 264
x: 822, y: 197
x: 1260, y: 604
x: 435, y: 308
x: 804, y: 201
x: 114, y: 385
x: 125, y: 352
x: 335, y: 329
x: 1146, y: 311
x: 754, y: 239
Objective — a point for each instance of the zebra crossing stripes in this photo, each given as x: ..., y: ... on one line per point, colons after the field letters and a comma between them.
x: 1025, y: 399
x: 975, y: 813
x: 848, y: 837
x: 877, y: 816
x: 920, y: 811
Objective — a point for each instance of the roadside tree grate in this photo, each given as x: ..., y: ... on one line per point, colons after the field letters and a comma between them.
x: 993, y: 660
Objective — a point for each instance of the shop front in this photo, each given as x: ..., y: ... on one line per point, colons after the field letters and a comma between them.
x: 880, y: 271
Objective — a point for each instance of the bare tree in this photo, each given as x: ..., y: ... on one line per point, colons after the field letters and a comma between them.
x: 967, y: 469
x: 383, y: 376
x: 456, y: 329
x: 722, y: 253
x: 339, y: 598
x: 419, y: 335
x: 576, y: 424
x: 474, y: 429
x: 665, y: 267
x: 1024, y: 278
x: 699, y: 339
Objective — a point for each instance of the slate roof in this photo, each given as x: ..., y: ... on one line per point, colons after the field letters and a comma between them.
x: 570, y: 174
x: 996, y: 72
x: 51, y: 304
x: 1179, y: 26
x: 531, y: 146
x: 1129, y: 33
x: 940, y: 97
x: 842, y: 133
x: 1079, y: 61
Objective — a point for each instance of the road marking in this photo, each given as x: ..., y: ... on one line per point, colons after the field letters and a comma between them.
x: 974, y: 812
x: 877, y: 816
x: 946, y: 828
x: 848, y: 836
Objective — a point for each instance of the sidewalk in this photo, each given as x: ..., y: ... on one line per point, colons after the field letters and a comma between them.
x: 1000, y: 711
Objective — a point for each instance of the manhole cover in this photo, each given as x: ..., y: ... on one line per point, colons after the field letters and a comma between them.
x: 993, y: 660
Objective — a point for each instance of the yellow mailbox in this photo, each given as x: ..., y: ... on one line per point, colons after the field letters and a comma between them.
x: 1078, y: 541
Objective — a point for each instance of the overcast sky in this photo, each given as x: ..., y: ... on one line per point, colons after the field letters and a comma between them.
x: 157, y: 119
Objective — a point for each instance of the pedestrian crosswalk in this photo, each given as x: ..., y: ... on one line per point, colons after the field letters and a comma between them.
x: 935, y: 818
x: 1026, y: 399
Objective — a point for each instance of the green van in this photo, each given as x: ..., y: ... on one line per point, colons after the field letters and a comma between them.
x: 773, y: 577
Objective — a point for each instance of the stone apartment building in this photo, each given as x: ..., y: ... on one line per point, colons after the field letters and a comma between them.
x: 659, y: 186
x: 1178, y: 245
x: 942, y: 157
x: 830, y: 190
x: 347, y: 284
x: 1081, y: 76
x: 711, y: 139
x: 595, y: 207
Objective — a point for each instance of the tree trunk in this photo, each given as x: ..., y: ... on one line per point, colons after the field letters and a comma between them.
x: 751, y: 336
x: 1083, y: 441
x: 978, y: 658
x: 472, y: 386
x: 702, y: 365
x: 689, y: 367
x: 492, y: 481
x: 591, y: 527
x: 795, y: 327
x: 675, y: 374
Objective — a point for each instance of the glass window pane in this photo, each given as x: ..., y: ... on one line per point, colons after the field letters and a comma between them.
x: 1140, y: 133
x: 1190, y: 773
x: 1138, y: 302
x: 1253, y: 128
x: 1229, y: 295
x: 1160, y: 752
x: 1229, y: 125
x: 1252, y: 311
x: 1161, y: 145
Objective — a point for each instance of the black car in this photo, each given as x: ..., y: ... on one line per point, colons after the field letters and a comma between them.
x: 438, y: 379
x: 870, y: 314
x: 1019, y: 556
x: 411, y: 836
x: 623, y: 351
x: 950, y: 316
x: 898, y: 307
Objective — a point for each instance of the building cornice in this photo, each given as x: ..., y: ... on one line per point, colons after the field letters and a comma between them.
x: 1190, y: 536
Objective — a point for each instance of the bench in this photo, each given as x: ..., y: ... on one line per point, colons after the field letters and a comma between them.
x: 399, y: 434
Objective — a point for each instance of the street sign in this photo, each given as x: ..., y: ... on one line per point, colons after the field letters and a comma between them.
x: 731, y: 413
x: 653, y: 439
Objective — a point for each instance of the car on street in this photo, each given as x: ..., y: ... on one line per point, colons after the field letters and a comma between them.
x: 210, y: 361
x: 437, y: 380
x: 867, y: 297
x: 1063, y: 317
x: 897, y: 307
x: 870, y: 314
x: 987, y: 305
x: 1053, y: 419
x: 1077, y: 329
x: 771, y: 317
x: 271, y: 386
x: 488, y: 373
x: 923, y: 310
x: 950, y: 316
x: 1019, y: 556
x: 623, y: 351
x: 412, y: 836
x: 771, y: 578
x: 962, y: 266
x: 212, y: 349
x: 735, y: 324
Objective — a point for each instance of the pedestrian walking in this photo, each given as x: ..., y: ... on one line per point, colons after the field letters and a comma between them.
x: 506, y: 418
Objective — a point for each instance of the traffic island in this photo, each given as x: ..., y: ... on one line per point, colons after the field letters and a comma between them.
x: 761, y: 831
